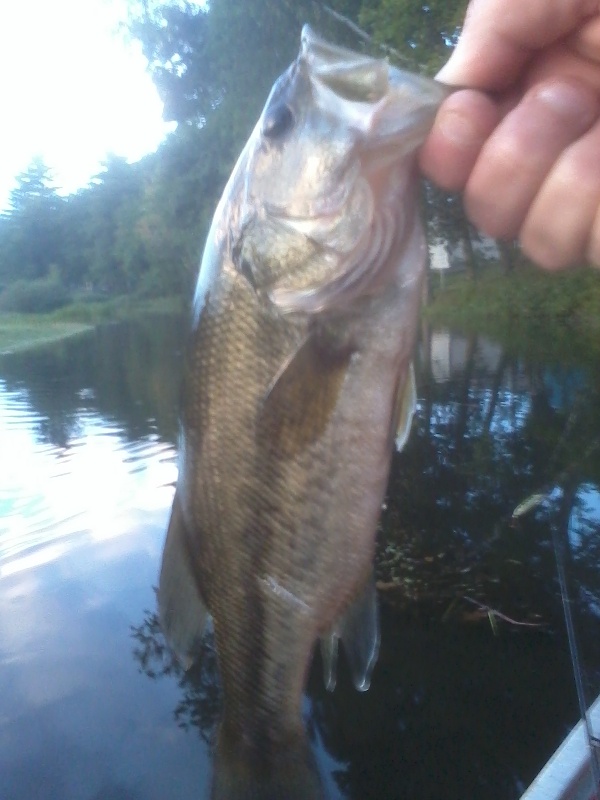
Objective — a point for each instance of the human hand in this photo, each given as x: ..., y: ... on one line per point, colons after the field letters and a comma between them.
x: 523, y: 141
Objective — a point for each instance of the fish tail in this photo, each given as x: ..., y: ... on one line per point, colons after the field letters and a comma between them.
x: 287, y: 772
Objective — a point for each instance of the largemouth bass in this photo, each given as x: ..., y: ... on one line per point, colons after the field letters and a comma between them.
x: 298, y: 381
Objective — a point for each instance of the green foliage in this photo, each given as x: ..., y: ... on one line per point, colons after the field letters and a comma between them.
x: 523, y: 306
x: 124, y: 307
x: 34, y: 296
x: 178, y: 204
x: 33, y: 187
x: 201, y: 55
x: 30, y: 240
x: 138, y: 229
x: 422, y: 32
x: 173, y: 38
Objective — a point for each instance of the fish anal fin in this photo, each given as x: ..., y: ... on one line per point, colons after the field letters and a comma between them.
x: 406, y: 405
x: 358, y: 630
x: 303, y: 395
x: 181, y: 610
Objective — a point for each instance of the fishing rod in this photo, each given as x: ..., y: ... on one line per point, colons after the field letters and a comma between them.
x: 593, y: 741
x: 545, y: 495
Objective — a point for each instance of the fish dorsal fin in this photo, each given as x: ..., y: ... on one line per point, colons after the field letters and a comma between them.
x: 358, y: 629
x: 406, y: 405
x: 182, y: 613
x: 303, y: 394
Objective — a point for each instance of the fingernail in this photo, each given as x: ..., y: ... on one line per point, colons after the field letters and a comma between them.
x: 450, y: 68
x: 457, y: 127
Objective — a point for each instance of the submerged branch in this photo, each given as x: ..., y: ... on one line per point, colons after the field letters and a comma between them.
x: 493, y: 613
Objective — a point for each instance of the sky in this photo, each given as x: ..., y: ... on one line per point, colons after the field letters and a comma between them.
x: 72, y: 90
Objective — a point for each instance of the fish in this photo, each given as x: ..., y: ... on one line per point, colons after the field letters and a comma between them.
x: 298, y: 382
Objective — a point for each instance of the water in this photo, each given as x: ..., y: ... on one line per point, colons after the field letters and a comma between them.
x: 464, y: 702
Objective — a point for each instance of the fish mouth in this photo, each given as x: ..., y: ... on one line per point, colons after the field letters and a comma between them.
x: 375, y: 98
x: 352, y: 76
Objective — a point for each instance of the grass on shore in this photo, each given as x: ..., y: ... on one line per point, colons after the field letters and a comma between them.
x: 528, y: 305
x: 116, y: 308
x: 23, y: 331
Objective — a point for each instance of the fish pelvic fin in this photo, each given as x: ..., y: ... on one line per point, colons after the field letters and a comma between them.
x: 358, y: 628
x: 285, y: 772
x: 181, y: 612
x: 406, y: 406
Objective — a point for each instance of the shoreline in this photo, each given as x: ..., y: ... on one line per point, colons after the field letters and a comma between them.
x: 17, y: 336
x: 19, y: 332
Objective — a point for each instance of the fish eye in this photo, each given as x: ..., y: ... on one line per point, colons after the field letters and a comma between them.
x: 278, y: 121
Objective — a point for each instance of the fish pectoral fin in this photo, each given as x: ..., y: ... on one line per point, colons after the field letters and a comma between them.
x: 181, y: 610
x: 358, y: 629
x: 406, y: 405
x: 302, y: 396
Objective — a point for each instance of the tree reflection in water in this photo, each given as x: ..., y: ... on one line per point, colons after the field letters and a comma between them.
x: 462, y: 698
x: 454, y: 703
x: 200, y: 704
x: 484, y: 440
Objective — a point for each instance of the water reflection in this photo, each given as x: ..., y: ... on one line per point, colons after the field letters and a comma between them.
x: 128, y: 373
x: 84, y: 489
x: 463, y: 703
x: 200, y: 703
x: 51, y: 495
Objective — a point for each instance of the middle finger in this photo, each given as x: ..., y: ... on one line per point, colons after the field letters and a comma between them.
x: 522, y: 149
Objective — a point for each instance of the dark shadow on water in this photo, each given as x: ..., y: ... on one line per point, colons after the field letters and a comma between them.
x: 474, y: 688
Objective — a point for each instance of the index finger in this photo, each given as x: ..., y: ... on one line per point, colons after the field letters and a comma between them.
x: 500, y: 36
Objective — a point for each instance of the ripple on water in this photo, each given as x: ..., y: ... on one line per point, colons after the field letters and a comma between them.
x: 52, y: 498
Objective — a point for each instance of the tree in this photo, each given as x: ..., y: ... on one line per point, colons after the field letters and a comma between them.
x: 447, y: 222
x: 175, y: 40
x: 201, y: 56
x: 33, y: 185
x: 140, y: 227
x: 214, y: 68
x: 177, y: 208
x: 116, y: 255
x: 422, y: 32
x: 30, y: 241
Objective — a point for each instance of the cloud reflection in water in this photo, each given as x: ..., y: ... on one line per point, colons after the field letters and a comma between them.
x: 81, y: 530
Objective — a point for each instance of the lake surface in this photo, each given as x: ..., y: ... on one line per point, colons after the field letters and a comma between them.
x: 465, y: 702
